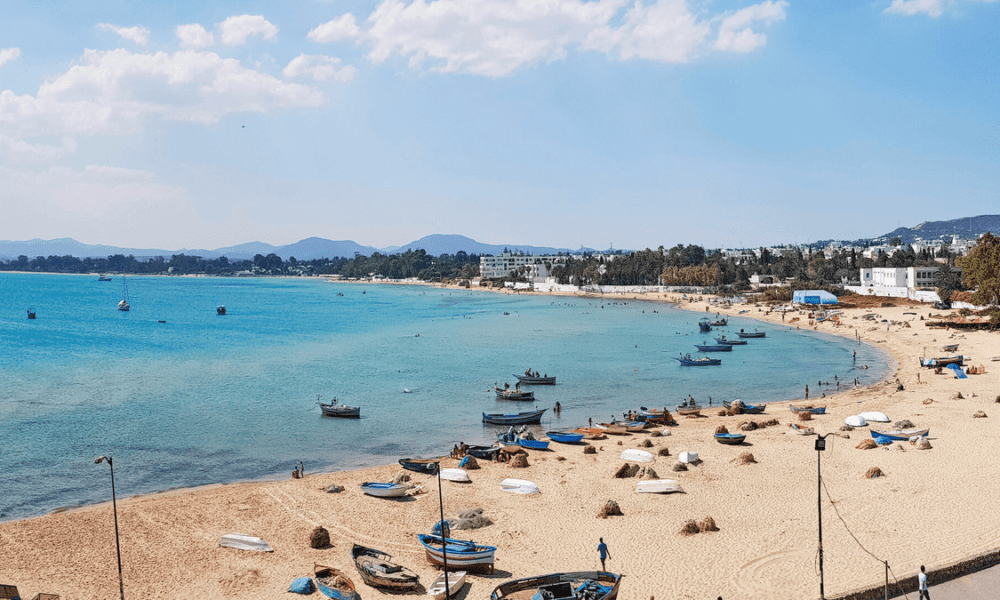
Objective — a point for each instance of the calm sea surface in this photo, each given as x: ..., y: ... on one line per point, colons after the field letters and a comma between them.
x: 203, y: 398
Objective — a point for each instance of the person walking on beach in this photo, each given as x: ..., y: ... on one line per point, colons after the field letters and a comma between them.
x: 603, y: 549
x: 921, y: 583
x: 807, y: 392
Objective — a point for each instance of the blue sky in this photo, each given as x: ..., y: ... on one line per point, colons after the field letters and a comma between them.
x: 545, y: 122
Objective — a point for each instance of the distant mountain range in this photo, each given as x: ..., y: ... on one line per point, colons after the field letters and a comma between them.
x: 307, y: 249
x: 968, y: 227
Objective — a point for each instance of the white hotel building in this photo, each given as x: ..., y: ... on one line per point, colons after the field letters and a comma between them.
x: 916, y: 283
x: 537, y: 267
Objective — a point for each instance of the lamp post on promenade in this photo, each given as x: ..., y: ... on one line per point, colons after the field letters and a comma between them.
x: 114, y: 504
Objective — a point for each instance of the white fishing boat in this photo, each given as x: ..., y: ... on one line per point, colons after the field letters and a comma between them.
x: 875, y: 417
x: 124, y: 305
x: 242, y: 541
x: 455, y: 582
x: 637, y: 456
x: 519, y: 486
x: 856, y: 421
x: 456, y: 475
x: 384, y: 490
x: 658, y: 486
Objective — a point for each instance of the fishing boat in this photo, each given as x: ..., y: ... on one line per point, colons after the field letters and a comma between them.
x: 339, y: 410
x: 455, y: 582
x: 510, y: 439
x: 523, y: 418
x: 124, y: 305
x: 612, y: 428
x: 590, y: 433
x: 723, y: 340
x: 901, y: 435
x: 942, y: 361
x: 751, y: 334
x: 713, y: 347
x: 513, y: 394
x: 378, y: 570
x: 581, y: 585
x: 462, y: 554
x: 658, y: 486
x: 565, y: 437
x: 483, y: 452
x: 519, y: 486
x: 220, y: 310
x: 651, y: 413
x: 950, y: 347
x: 535, y: 379
x: 103, y: 278
x: 633, y: 426
x: 689, y: 408
x: 334, y: 584
x: 816, y: 410
x: 384, y: 490
x: 456, y: 475
x: 747, y: 409
x: 705, y: 325
x: 427, y: 466
x: 687, y: 361
x: 730, y: 439
x: 634, y: 455
x: 719, y: 323
x: 31, y: 313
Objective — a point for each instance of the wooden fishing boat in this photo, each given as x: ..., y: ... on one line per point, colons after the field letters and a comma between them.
x: 942, y: 361
x: 519, y: 486
x: 581, y: 585
x: 534, y: 380
x: 462, y: 554
x: 654, y: 413
x: 509, y: 439
x: 689, y: 409
x: 723, y: 340
x: 950, y: 347
x: 902, y: 435
x: 590, y: 433
x: 705, y: 325
x: 687, y: 361
x: 658, y: 486
x: 719, y: 323
x: 748, y: 409
x: 455, y: 582
x: 378, y: 570
x: 103, y: 278
x: 334, y: 584
x: 483, y: 452
x: 384, y: 490
x: 220, y: 310
x: 612, y: 428
x: 427, y: 466
x: 514, y: 394
x: 565, y: 437
x: 730, y: 439
x: 816, y: 410
x: 751, y: 334
x: 633, y: 426
x: 340, y: 410
x: 523, y: 418
x: 714, y: 348
x: 31, y: 313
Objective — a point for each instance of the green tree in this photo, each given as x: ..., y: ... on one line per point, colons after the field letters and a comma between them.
x: 981, y: 270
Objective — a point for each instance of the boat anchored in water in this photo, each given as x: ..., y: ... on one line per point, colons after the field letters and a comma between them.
x: 124, y: 305
x: 339, y: 410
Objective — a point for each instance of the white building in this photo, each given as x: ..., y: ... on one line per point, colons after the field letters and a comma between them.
x: 916, y: 283
x: 536, y: 267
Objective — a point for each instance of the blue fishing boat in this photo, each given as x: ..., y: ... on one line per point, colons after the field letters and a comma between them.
x: 751, y: 335
x: 589, y: 585
x: 687, y: 361
x: 747, y: 409
x: 513, y: 439
x: 565, y: 437
x: 714, y: 348
x: 901, y: 435
x: 421, y: 465
x: 334, y: 583
x: 730, y: 439
x: 705, y: 325
x: 463, y: 555
x: 384, y: 490
x: 483, y: 452
x: 816, y: 410
x: 723, y: 340
x: 523, y: 418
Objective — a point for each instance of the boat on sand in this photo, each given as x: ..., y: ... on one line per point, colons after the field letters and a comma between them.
x: 580, y: 585
x: 334, y: 584
x: 461, y: 554
x: 378, y: 570
x: 455, y: 582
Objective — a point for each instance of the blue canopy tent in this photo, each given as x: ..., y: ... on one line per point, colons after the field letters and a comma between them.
x: 813, y: 297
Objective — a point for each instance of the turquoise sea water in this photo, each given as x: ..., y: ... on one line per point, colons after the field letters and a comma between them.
x: 203, y: 398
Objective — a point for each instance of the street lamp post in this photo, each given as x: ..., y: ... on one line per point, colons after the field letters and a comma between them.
x: 820, y: 447
x: 114, y: 504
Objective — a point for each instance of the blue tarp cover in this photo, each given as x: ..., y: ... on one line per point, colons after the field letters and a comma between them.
x: 302, y: 585
x: 813, y: 297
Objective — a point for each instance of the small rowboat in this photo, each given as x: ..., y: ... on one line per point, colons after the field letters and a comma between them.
x: 751, y: 335
x: 632, y: 426
x: 658, y: 486
x: 950, y: 347
x: 462, y: 554
x: 455, y: 582
x: 723, y: 340
x: 590, y: 433
x: 519, y: 486
x: 942, y: 361
x: 339, y: 410
x: 514, y: 394
x: 730, y: 439
x: 420, y: 465
x: 748, y: 409
x: 483, y: 452
x: 719, y: 323
x: 714, y: 348
x: 456, y: 475
x: 687, y: 361
x: 654, y: 413
x: 378, y: 570
x: 564, y: 437
x: 384, y: 490
x: 334, y: 584
x: 506, y: 440
x: 531, y: 380
x: 612, y: 428
x: 816, y: 410
x: 513, y: 419
x: 690, y: 409
x: 592, y: 585
x: 901, y: 435
x: 704, y: 325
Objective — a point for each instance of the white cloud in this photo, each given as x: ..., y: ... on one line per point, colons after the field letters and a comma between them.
x: 9, y: 54
x: 111, y: 92
x: 319, y: 67
x: 235, y: 30
x: 343, y: 27
x: 932, y: 8
x: 17, y: 151
x: 139, y: 35
x: 735, y: 34
x: 495, y: 38
x: 194, y: 36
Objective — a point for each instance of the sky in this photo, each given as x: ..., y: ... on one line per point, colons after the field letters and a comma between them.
x: 566, y: 123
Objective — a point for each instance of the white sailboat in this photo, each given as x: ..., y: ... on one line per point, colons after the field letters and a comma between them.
x: 123, y: 305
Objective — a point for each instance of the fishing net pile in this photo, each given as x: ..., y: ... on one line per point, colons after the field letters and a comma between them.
x: 590, y: 450
x: 626, y: 470
x: 745, y: 459
x: 319, y: 538
x: 664, y: 451
x: 519, y: 461
x: 979, y: 415
x: 867, y: 444
x: 721, y: 429
x: 679, y: 466
x: 805, y: 416
x: 692, y: 527
x: 874, y: 472
x: 610, y: 509
x: 647, y: 473
x: 646, y: 444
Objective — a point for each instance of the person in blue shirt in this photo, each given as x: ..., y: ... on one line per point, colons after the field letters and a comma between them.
x: 603, y: 549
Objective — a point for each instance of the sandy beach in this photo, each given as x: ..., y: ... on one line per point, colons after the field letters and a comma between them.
x: 933, y: 507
